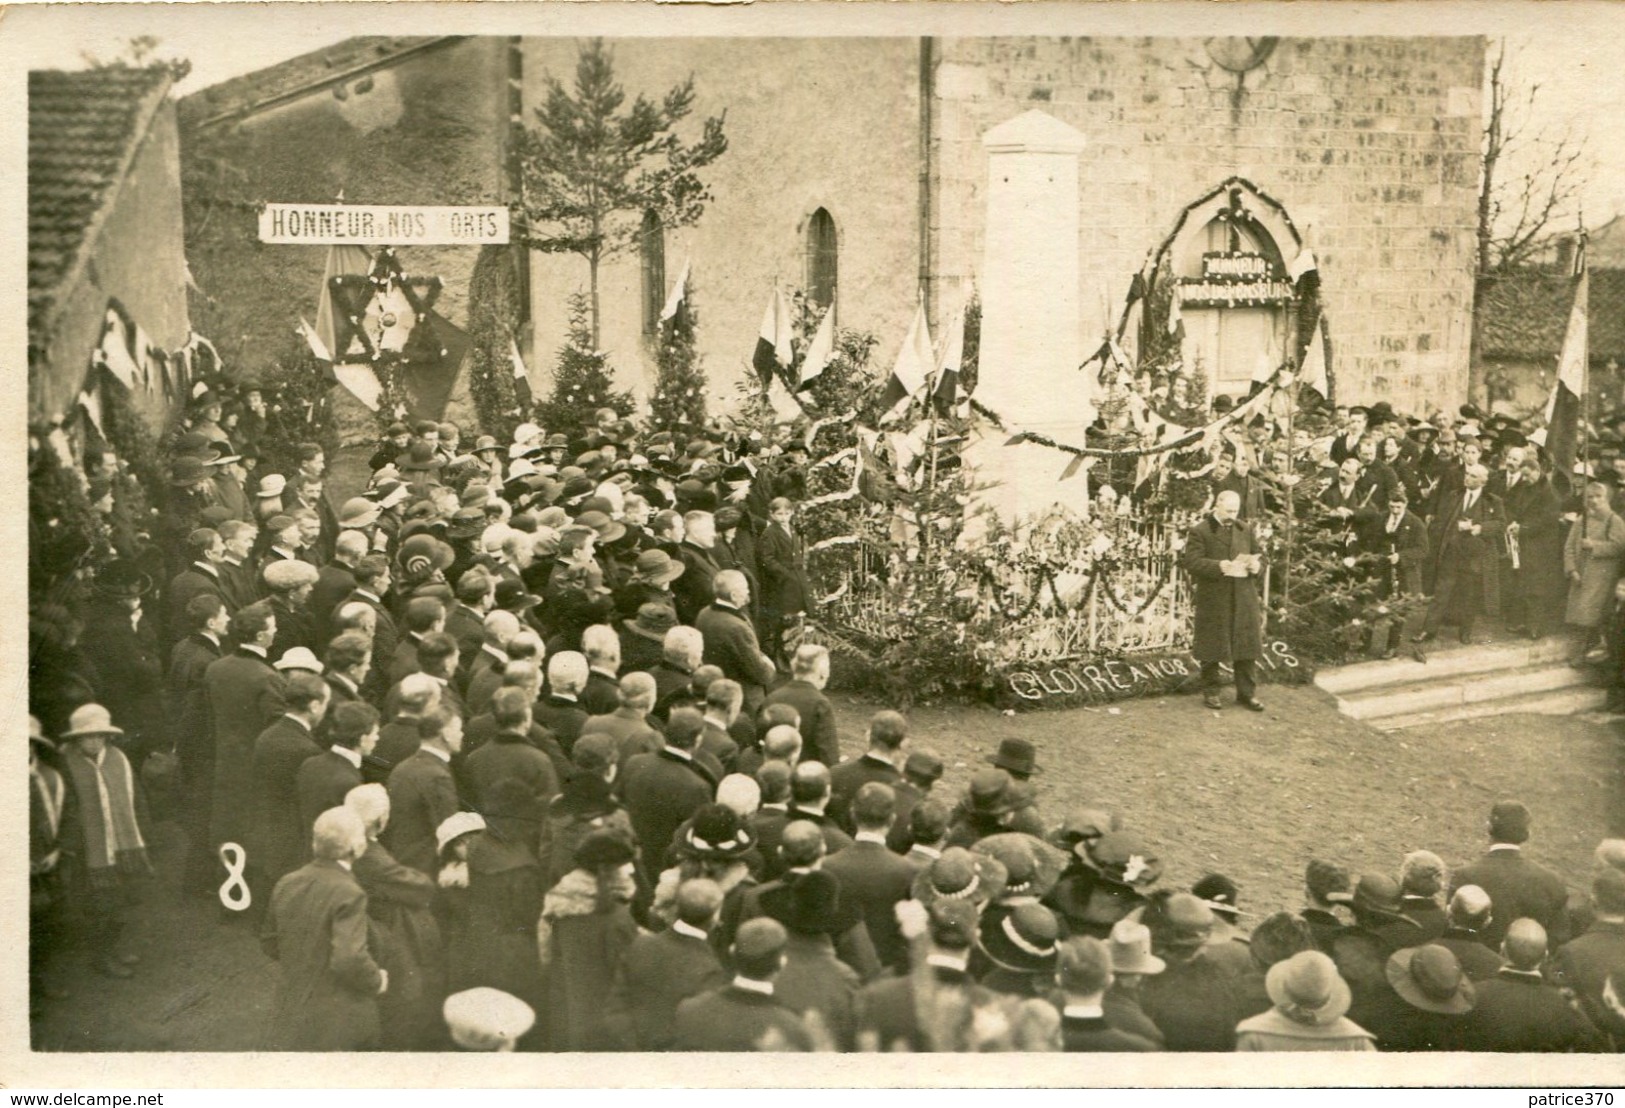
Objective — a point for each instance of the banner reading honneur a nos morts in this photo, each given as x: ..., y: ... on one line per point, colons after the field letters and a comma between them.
x: 384, y: 224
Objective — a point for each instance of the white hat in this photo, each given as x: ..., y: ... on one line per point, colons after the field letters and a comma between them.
x: 455, y: 826
x: 487, y: 1019
x: 272, y: 484
x: 299, y: 657
x: 527, y: 433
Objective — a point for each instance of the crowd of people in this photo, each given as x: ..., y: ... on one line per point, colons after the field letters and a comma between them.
x: 1463, y: 511
x: 522, y: 748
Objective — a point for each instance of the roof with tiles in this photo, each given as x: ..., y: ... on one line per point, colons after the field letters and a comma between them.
x: 83, y: 131
x: 1523, y: 315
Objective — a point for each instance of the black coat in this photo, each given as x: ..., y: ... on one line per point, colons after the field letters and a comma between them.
x: 280, y: 843
x: 781, y: 558
x: 661, y: 791
x: 876, y: 880
x: 657, y: 973
x: 696, y: 587
x: 1517, y: 888
x: 730, y: 642
x: 820, y: 740
x: 736, y: 1020
x: 1519, y: 1013
x: 1229, y: 621
x: 322, y: 782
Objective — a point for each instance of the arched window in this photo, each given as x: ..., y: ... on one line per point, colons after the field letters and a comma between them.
x: 823, y: 273
x: 652, y: 250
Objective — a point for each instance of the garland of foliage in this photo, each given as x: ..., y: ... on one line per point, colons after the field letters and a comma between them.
x: 64, y: 530
x: 299, y: 408
x: 494, y: 311
x: 583, y: 381
x: 678, y: 403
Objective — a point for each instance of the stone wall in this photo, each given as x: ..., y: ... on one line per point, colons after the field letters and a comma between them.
x: 831, y: 123
x: 429, y: 130
x: 1371, y: 144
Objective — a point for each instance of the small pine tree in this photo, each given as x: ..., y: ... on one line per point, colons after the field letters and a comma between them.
x: 678, y: 403
x: 494, y: 314
x: 582, y: 382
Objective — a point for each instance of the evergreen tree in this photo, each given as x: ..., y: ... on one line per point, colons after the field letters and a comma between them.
x: 582, y: 383
x: 591, y: 175
x: 678, y: 403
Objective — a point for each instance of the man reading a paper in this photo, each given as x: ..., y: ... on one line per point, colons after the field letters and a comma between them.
x: 1221, y: 555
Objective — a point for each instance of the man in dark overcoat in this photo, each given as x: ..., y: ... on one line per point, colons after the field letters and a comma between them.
x: 1223, y: 559
x: 804, y: 692
x: 245, y: 697
x: 662, y: 790
x: 279, y: 751
x: 661, y: 970
x: 190, y: 728
x: 730, y: 640
x: 745, y: 1015
x: 316, y: 928
x: 423, y: 792
x: 1464, y: 538
x: 1400, y: 542
x: 781, y: 556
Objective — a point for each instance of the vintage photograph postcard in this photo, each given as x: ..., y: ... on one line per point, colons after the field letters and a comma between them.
x: 823, y: 533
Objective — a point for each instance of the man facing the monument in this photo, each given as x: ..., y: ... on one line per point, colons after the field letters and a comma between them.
x: 1221, y: 555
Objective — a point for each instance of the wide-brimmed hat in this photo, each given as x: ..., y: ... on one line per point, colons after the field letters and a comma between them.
x: 993, y: 792
x: 652, y: 622
x: 88, y: 720
x: 272, y: 486
x: 576, y: 489
x: 1031, y: 865
x: 1308, y: 989
x: 811, y: 904
x: 1379, y: 893
x: 121, y: 578
x: 455, y: 826
x: 186, y: 471
x: 1381, y: 412
x: 717, y: 833
x: 557, y: 441
x: 358, y: 511
x: 36, y: 733
x: 1023, y: 940
x: 657, y: 567
x: 1018, y: 756
x: 1123, y: 858
x: 607, y: 529
x: 486, y: 443
x: 1179, y: 921
x: 1430, y: 977
x: 958, y: 874
x: 299, y: 657
x: 511, y: 596
x: 1081, y: 828
x: 519, y: 471
x: 1130, y: 948
x: 421, y: 456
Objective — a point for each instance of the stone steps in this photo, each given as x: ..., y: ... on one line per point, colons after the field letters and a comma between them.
x: 1466, y: 683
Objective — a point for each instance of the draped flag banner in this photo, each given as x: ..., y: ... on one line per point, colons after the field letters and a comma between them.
x: 1563, y: 408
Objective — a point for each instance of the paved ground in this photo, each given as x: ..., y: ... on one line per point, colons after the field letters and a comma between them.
x: 1252, y: 796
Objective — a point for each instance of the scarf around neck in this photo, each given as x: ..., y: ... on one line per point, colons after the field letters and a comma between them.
x: 106, y: 792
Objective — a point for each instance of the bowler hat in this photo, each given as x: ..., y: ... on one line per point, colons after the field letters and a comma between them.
x: 1307, y: 989
x: 1018, y: 757
x: 420, y: 457
x: 1430, y: 977
x: 1023, y: 940
x: 810, y: 904
x: 511, y: 596
x: 992, y: 792
x: 88, y: 720
x: 186, y: 471
x: 657, y: 567
x: 652, y: 622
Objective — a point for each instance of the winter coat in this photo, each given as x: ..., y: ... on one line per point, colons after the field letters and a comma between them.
x: 405, y: 941
x: 1229, y: 623
x: 1591, y: 598
x: 327, y: 992
x: 580, y: 946
x: 245, y: 697
x: 504, y: 904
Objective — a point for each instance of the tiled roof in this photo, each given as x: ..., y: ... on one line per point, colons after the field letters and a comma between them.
x: 243, y: 94
x: 1522, y: 315
x: 83, y: 130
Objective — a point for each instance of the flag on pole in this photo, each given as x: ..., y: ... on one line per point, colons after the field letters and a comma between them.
x: 820, y: 351
x: 1568, y: 393
x: 362, y: 382
x: 774, y: 351
x: 953, y: 356
x: 1312, y: 371
x: 786, y: 408
x: 678, y: 294
x: 521, y: 376
x: 341, y: 261
x: 1301, y: 265
x: 914, y: 362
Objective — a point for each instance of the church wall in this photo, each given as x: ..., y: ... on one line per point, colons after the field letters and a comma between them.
x: 1371, y: 145
x: 811, y: 123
